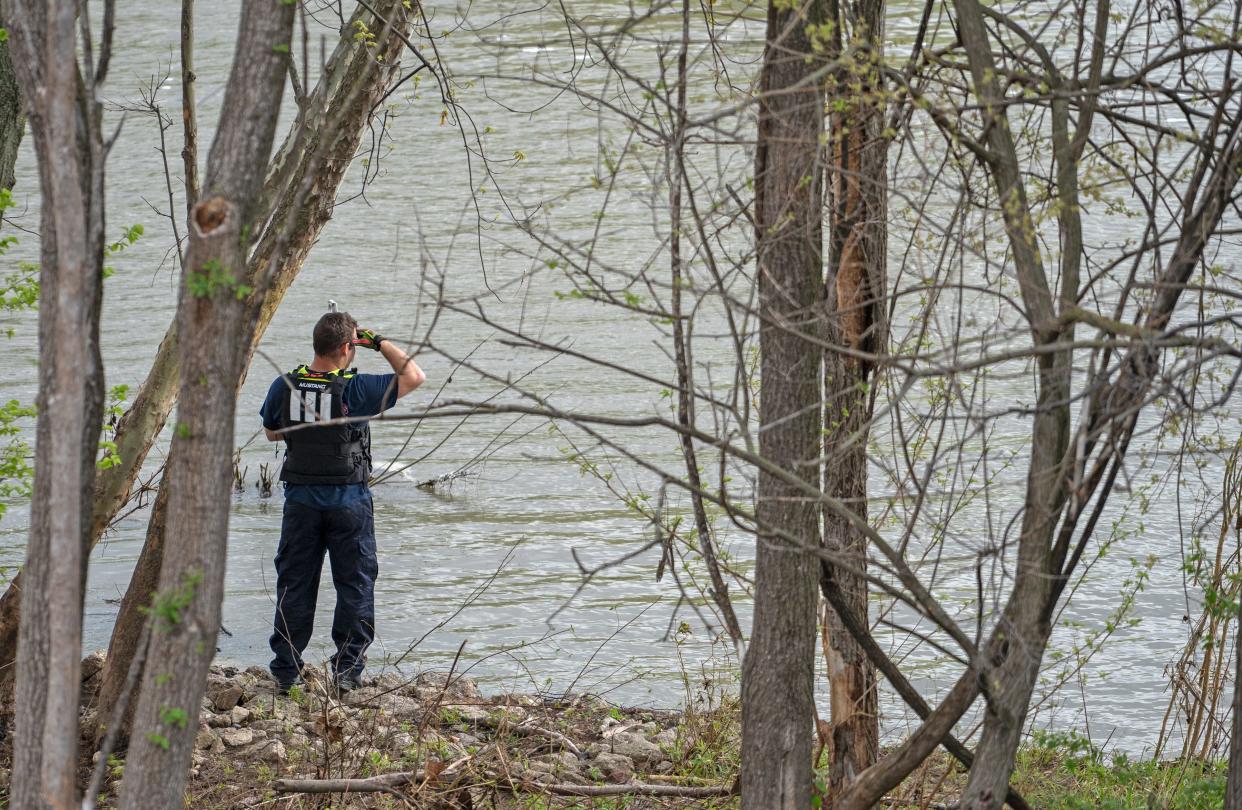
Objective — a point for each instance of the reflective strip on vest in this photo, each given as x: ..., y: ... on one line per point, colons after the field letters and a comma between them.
x: 322, y: 411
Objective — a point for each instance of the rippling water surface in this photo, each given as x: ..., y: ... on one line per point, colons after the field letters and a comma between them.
x: 487, y: 563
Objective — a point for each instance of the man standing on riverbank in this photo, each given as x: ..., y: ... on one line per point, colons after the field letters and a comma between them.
x: 328, y: 504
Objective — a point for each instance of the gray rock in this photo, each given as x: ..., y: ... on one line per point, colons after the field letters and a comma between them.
x: 612, y: 726
x: 270, y: 726
x: 249, y: 682
x: 636, y: 747
x: 272, y: 751
x: 558, y: 762
x: 366, y: 694
x: 239, y: 715
x: 465, y: 713
x: 390, y: 681
x: 540, y: 777
x: 666, y: 739
x: 206, y: 739
x: 217, y: 720
x: 237, y: 737
x: 225, y: 696
x: 615, y: 767
x: 517, y: 699
x: 457, y: 690
x: 553, y: 768
x: 92, y: 664
x: 401, y: 706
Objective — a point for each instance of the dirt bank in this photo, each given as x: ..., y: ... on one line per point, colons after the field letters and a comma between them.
x: 434, y: 740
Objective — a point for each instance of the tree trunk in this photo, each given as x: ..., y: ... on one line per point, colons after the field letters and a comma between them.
x: 778, y: 671
x: 1233, y: 789
x: 12, y: 119
x: 65, y: 125
x: 130, y: 619
x: 351, y: 86
x: 856, y: 281
x: 1016, y: 645
x: 12, y: 127
x: 211, y: 320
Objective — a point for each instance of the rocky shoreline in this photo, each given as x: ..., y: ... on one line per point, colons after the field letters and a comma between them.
x: 434, y: 740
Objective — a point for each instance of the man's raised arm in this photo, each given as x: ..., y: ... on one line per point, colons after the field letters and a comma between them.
x: 409, y: 375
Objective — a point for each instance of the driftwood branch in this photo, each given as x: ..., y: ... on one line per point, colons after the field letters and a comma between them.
x: 387, y: 782
x: 631, y: 789
x: 528, y: 730
x: 371, y: 784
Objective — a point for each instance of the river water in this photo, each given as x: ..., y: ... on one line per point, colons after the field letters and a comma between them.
x: 486, y: 570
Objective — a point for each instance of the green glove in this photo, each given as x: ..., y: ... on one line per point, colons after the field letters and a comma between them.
x: 370, y: 339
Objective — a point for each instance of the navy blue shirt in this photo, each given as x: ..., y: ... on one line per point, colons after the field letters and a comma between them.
x: 365, y: 395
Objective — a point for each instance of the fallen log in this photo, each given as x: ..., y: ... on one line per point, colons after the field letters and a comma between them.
x: 371, y: 784
x: 630, y: 789
x: 387, y: 782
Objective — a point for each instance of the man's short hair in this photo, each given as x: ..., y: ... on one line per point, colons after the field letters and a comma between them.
x: 333, y: 329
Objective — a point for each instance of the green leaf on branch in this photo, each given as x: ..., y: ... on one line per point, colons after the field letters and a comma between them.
x: 173, y: 716
x: 20, y: 290
x: 169, y: 605
x: 213, y: 279
x: 111, y: 455
x: 16, y: 474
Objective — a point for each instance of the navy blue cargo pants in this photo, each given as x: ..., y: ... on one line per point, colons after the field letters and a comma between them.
x: 348, y: 537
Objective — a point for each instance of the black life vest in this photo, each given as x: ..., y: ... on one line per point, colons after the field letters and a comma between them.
x: 337, y: 453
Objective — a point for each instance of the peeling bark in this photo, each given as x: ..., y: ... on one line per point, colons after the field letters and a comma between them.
x: 856, y: 270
